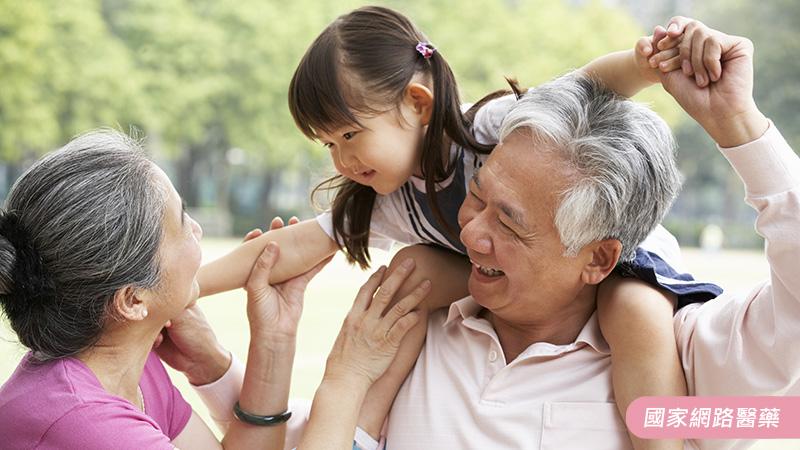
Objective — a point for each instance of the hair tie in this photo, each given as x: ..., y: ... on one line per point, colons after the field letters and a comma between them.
x: 32, y: 285
x: 425, y: 49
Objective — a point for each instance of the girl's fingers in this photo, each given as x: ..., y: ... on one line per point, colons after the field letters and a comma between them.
x: 276, y: 223
x: 294, y: 220
x: 663, y: 55
x: 644, y: 46
x: 389, y: 288
x: 364, y: 296
x: 252, y: 234
x: 671, y: 64
x: 685, y: 47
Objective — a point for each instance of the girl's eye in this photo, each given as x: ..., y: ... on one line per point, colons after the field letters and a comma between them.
x: 327, y: 145
x: 349, y: 135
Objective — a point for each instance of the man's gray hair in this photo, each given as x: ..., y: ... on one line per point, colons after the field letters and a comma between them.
x: 92, y: 215
x: 622, y: 151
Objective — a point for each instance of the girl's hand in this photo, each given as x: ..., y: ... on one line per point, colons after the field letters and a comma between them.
x: 653, y: 55
x: 274, y: 311
x: 276, y: 223
x: 368, y: 340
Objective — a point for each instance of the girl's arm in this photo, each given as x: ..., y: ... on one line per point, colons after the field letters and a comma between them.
x: 629, y: 71
x: 304, y: 246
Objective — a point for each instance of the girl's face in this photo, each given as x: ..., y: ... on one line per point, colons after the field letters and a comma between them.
x: 384, y: 153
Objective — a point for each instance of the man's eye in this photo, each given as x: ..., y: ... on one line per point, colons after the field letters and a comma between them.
x: 475, y: 196
x: 504, y: 226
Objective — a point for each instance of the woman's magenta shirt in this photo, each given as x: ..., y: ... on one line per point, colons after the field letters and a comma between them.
x: 62, y: 405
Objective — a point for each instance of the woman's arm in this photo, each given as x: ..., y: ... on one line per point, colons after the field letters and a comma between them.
x: 366, y: 345
x: 449, y: 273
x: 305, y: 245
x: 273, y: 314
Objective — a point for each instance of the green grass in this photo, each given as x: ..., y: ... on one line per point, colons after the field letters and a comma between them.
x: 329, y: 297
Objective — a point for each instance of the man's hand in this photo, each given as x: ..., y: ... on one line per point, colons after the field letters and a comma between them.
x: 720, y: 95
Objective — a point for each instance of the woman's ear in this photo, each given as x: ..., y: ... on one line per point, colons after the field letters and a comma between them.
x: 131, y: 303
x: 420, y: 99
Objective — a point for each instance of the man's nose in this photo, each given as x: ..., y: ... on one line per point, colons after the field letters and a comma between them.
x: 474, y: 235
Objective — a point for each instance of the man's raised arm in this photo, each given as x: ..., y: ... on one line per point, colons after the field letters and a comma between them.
x: 745, y: 344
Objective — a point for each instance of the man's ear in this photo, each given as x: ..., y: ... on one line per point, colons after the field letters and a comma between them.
x: 130, y: 303
x: 603, y: 257
x: 420, y: 99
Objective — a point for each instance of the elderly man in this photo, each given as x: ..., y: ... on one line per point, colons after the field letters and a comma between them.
x: 521, y: 362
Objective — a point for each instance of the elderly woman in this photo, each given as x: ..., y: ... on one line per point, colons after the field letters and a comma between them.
x: 97, y: 255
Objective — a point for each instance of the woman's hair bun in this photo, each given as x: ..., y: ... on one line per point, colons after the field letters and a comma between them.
x: 23, y: 278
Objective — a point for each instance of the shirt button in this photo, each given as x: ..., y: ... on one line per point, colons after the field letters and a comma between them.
x: 492, y: 356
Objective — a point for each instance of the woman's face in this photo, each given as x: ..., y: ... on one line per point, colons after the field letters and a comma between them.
x: 179, y: 255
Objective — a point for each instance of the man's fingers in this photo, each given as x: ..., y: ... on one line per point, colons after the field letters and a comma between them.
x: 698, y: 44
x: 712, y: 59
x: 685, y: 46
x: 677, y: 25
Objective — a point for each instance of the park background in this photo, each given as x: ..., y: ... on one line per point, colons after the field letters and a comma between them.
x: 205, y: 82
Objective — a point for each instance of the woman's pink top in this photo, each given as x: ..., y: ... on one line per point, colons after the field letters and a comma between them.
x: 62, y: 405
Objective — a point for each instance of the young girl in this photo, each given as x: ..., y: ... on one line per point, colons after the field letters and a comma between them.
x: 374, y: 91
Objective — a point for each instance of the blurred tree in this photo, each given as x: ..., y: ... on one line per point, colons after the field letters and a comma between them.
x: 713, y: 191
x: 27, y: 117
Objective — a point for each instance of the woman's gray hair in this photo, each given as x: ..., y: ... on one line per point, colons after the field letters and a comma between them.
x: 91, y: 214
x: 622, y: 151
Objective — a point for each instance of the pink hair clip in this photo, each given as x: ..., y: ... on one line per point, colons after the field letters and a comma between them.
x: 425, y: 49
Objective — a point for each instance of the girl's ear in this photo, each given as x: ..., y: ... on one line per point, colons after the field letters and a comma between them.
x: 420, y: 99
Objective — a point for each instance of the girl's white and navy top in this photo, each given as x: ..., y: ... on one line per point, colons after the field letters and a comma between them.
x: 405, y: 217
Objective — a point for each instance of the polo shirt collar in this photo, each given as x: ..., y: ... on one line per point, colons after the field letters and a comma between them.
x: 590, y: 334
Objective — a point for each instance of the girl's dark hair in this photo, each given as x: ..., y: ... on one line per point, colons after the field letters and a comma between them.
x: 80, y: 224
x: 358, y: 62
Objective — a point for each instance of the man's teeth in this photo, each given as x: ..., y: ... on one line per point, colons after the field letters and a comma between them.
x: 489, y: 272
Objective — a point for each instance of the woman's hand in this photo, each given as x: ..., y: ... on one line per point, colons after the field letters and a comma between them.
x: 274, y: 311
x: 369, y: 339
x: 188, y: 345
